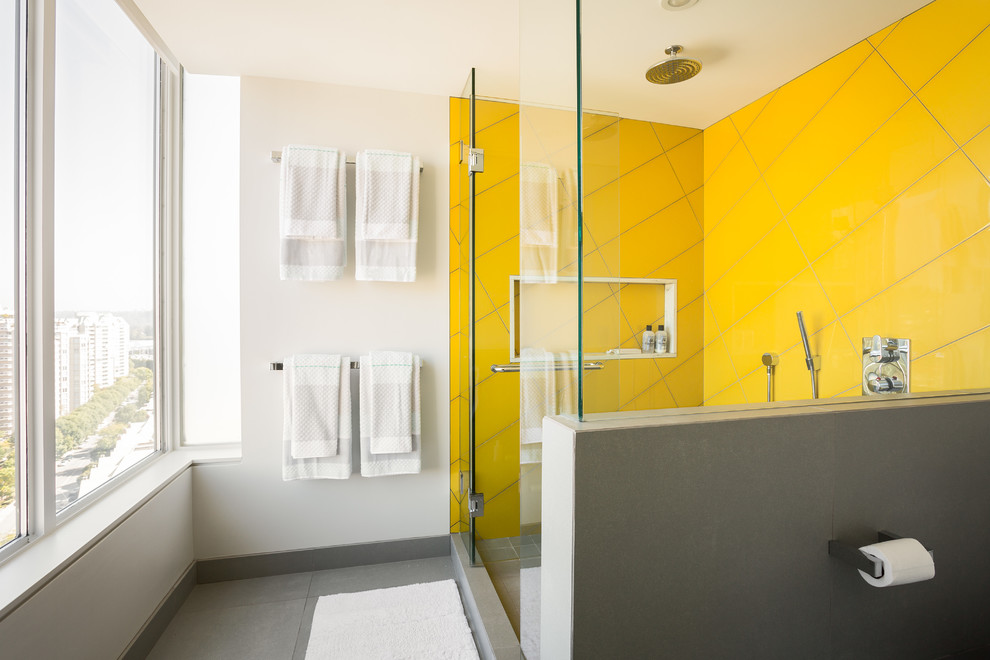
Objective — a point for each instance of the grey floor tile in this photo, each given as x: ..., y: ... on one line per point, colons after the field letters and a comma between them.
x: 380, y: 576
x: 248, y: 592
x: 302, y: 642
x: 498, y: 554
x: 252, y: 632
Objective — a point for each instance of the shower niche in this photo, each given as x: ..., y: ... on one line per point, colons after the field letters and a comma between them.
x: 542, y: 314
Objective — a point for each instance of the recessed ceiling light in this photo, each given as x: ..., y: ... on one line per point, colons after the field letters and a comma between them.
x: 677, y: 5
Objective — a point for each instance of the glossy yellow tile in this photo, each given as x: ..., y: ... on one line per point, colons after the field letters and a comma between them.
x: 638, y: 144
x: 744, y: 117
x: 686, y: 269
x: 656, y: 397
x: 658, y: 239
x: 772, y: 325
x: 944, y: 27
x: 494, y: 268
x: 842, y: 364
x: 697, y: 202
x: 744, y: 225
x: 733, y: 395
x: 496, y: 215
x: 489, y: 113
x: 930, y: 217
x: 670, y: 135
x: 767, y: 267
x: 711, y: 327
x: 719, y: 372
x: 491, y: 343
x: 754, y: 385
x: 656, y: 176
x: 958, y: 96
x: 720, y: 138
x: 635, y: 377
x: 933, y: 305
x: 497, y: 459
x: 878, y: 37
x: 501, y: 517
x: 601, y: 213
x: 690, y: 337
x: 901, y: 151
x: 796, y: 103
x: 843, y: 124
x: 686, y: 382
x: 498, y: 405
x: 601, y: 158
x: 978, y: 149
x: 959, y: 365
x: 501, y: 144
x: 686, y: 159
x: 728, y: 184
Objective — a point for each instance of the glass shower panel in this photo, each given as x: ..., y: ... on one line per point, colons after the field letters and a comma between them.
x: 547, y: 291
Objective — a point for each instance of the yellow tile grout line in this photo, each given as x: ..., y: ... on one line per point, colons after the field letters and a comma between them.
x: 895, y: 25
x: 729, y: 118
x: 947, y: 63
x: 950, y: 343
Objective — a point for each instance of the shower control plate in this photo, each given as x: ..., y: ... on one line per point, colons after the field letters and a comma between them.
x: 886, y: 365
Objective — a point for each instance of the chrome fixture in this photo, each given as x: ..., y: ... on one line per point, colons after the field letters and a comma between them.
x: 770, y: 360
x: 674, y: 69
x: 677, y: 5
x: 540, y: 366
x: 814, y: 363
x: 886, y: 365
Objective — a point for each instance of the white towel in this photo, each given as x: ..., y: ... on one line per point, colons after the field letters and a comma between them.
x: 386, y: 216
x: 389, y: 425
x: 316, y: 407
x: 312, y: 213
x: 538, y: 221
x: 375, y: 464
x: 537, y: 399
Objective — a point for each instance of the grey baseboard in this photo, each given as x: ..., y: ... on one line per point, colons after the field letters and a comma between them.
x: 145, y: 640
x: 320, y: 559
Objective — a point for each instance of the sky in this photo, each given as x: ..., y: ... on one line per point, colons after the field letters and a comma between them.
x: 104, y: 141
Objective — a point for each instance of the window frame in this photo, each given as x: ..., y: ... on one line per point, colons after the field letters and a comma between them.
x: 34, y: 366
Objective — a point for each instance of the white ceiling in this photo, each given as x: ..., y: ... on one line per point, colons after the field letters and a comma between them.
x: 748, y: 48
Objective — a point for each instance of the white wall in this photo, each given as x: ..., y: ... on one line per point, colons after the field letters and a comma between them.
x: 246, y: 508
x: 95, y: 607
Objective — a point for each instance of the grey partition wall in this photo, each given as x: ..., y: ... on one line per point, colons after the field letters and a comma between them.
x: 705, y: 535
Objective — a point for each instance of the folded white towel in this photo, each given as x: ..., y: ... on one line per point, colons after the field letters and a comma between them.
x: 312, y: 213
x: 390, y: 406
x: 386, y: 216
x: 538, y: 221
x: 537, y: 399
x: 316, y: 423
x: 381, y: 464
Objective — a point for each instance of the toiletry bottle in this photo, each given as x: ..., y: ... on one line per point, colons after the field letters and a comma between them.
x: 649, y: 340
x: 661, y: 340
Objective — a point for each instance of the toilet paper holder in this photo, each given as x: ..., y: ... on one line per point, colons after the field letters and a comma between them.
x: 852, y: 555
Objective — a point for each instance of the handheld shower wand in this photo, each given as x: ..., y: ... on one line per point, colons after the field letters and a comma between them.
x: 814, y: 363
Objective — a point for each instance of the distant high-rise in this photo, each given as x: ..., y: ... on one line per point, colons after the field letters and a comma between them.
x: 6, y: 374
x: 91, y: 351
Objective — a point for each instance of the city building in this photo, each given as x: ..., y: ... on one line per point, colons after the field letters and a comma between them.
x: 6, y: 373
x: 91, y: 352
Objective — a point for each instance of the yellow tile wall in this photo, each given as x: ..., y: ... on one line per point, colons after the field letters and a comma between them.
x: 643, y: 205
x: 858, y: 193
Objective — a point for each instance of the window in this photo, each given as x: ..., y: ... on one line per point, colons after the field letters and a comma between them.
x: 107, y: 112
x: 10, y: 514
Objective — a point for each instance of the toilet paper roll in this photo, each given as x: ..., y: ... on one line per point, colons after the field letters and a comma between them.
x: 904, y: 561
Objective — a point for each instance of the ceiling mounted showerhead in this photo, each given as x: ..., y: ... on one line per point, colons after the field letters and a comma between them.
x: 674, y: 69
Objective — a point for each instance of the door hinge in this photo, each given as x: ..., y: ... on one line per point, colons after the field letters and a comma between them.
x: 476, y: 504
x: 476, y: 160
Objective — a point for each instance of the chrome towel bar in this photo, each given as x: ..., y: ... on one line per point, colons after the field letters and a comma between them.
x: 540, y: 366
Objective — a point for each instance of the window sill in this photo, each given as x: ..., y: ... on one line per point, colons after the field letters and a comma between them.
x: 40, y: 559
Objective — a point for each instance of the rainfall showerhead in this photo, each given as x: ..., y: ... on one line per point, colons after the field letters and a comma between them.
x: 674, y: 69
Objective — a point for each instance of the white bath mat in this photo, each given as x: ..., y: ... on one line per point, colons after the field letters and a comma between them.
x: 419, y: 621
x: 529, y: 612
